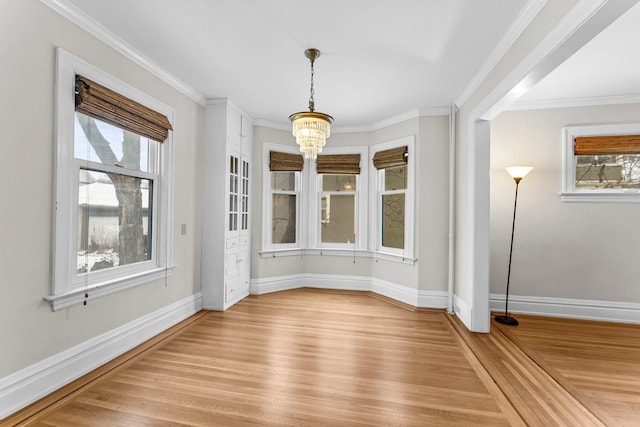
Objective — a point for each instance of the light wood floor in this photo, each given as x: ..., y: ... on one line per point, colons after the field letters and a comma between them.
x: 334, y: 358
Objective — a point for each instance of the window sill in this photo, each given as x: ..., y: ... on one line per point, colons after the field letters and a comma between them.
x: 358, y: 253
x: 624, y: 196
x: 76, y: 296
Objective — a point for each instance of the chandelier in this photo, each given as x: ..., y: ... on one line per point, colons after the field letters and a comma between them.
x: 311, y: 128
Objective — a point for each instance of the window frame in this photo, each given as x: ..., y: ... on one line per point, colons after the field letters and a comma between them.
x: 361, y: 202
x: 569, y: 191
x: 66, y: 288
x: 378, y: 191
x: 267, y: 201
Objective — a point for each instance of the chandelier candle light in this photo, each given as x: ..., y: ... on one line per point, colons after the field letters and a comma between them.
x: 311, y: 128
x: 517, y: 173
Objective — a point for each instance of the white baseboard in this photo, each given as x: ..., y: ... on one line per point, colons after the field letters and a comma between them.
x: 570, y: 308
x: 335, y: 281
x: 268, y: 285
x: 461, y: 309
x: 394, y: 291
x: 414, y: 297
x: 38, y: 380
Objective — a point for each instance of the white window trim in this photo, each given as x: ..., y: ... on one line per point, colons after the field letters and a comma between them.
x: 361, y: 193
x: 267, y: 245
x: 63, y: 293
x: 376, y: 191
x: 368, y: 228
x: 569, y: 191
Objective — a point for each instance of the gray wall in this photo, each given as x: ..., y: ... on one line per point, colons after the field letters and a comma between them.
x: 430, y: 271
x: 30, y: 32
x: 561, y: 250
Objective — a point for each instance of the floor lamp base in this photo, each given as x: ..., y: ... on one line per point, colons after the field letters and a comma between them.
x: 506, y: 320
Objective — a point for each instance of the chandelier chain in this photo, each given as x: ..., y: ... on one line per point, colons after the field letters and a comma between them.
x: 311, y: 100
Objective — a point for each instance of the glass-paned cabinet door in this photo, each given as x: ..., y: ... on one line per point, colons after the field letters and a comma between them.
x: 244, y: 213
x: 233, y: 192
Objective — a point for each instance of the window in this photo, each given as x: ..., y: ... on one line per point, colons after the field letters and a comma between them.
x: 394, y: 195
x: 338, y: 208
x: 282, y: 198
x: 338, y: 214
x: 284, y: 207
x: 113, y: 178
x: 329, y: 208
x: 602, y: 163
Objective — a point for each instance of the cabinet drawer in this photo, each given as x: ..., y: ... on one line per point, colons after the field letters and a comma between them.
x: 232, y: 243
x: 244, y: 241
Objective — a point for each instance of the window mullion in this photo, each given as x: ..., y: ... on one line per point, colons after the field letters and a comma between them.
x: 99, y: 167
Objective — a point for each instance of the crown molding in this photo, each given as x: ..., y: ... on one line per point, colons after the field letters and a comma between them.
x: 229, y: 102
x: 409, y: 115
x: 539, y: 104
x: 523, y: 20
x: 274, y: 125
x: 96, y: 29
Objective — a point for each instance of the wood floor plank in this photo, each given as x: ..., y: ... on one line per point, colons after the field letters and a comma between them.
x: 598, y: 362
x: 296, y: 358
x: 313, y: 357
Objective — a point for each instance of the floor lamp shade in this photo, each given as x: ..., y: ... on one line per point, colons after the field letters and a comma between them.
x: 517, y: 173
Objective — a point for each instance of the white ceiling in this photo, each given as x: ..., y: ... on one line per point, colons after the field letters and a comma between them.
x: 380, y: 59
x: 606, y: 67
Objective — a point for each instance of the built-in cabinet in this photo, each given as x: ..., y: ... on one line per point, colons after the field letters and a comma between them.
x: 228, y: 145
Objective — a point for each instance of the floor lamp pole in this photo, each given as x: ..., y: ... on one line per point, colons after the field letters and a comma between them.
x: 517, y: 173
x: 506, y: 319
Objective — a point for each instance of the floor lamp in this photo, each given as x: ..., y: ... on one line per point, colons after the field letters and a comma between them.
x: 517, y: 173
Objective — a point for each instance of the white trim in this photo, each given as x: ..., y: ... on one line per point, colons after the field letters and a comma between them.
x: 628, y: 196
x: 361, y: 195
x: 267, y: 201
x: 63, y: 292
x: 277, y: 125
x: 93, y: 27
x: 405, y: 294
x: 432, y: 299
x: 337, y: 281
x: 528, y: 13
x: 564, y: 39
x: 375, y: 178
x: 408, y: 115
x: 610, y: 311
x: 451, y: 276
x: 38, y: 380
x: 539, y: 104
x: 76, y: 296
x: 267, y: 285
x: 349, y: 253
x: 461, y: 309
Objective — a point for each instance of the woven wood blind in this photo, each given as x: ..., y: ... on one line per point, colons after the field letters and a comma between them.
x: 390, y: 158
x: 279, y: 162
x: 104, y: 104
x: 603, y: 145
x: 338, y: 163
